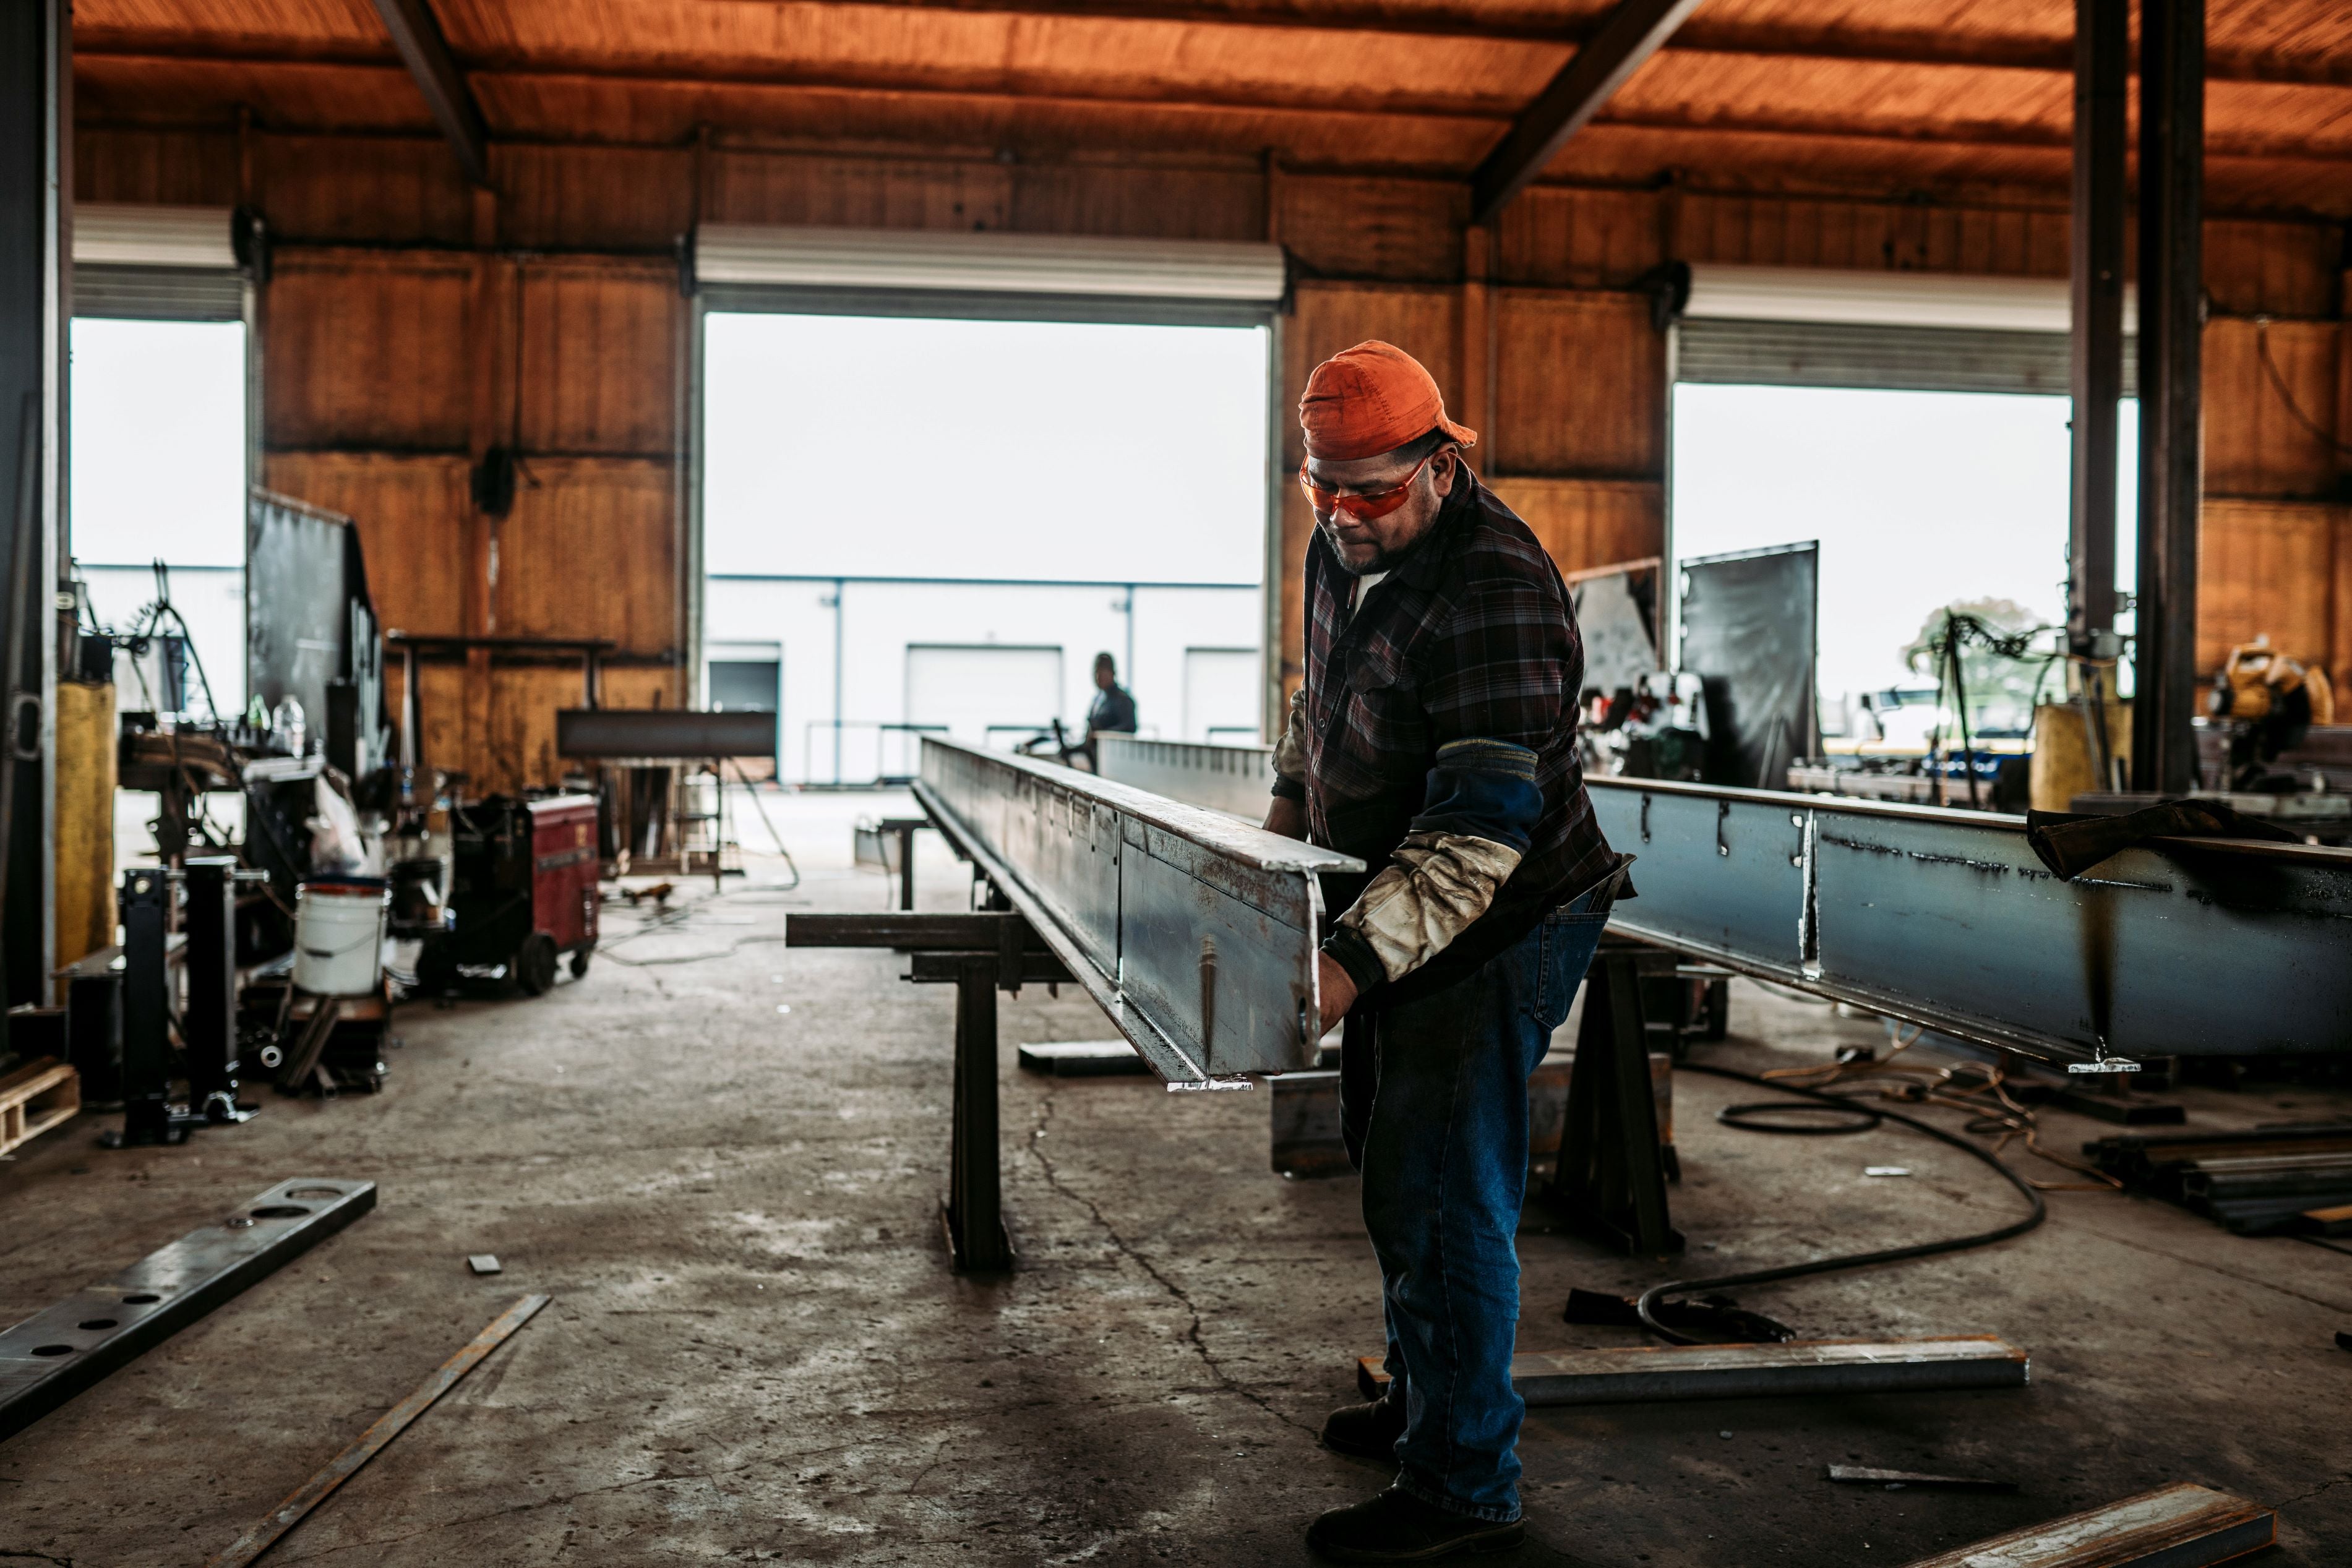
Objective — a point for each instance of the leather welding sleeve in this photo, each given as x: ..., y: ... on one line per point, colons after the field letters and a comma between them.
x: 1290, y: 752
x: 1478, y: 819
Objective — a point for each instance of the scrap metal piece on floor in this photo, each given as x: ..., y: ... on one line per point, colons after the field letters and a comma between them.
x: 387, y: 1427
x: 1646, y: 1374
x: 55, y: 1355
x: 1864, y: 1474
x: 1196, y: 933
x: 485, y: 1263
x: 2178, y: 1526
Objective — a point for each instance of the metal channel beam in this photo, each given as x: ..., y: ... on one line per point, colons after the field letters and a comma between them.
x: 55, y: 1355
x: 424, y: 48
x: 1946, y: 919
x: 1196, y: 934
x: 1621, y: 45
x: 1648, y: 1373
x: 1236, y: 779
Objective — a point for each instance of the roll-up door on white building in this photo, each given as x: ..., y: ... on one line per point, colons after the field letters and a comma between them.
x: 1902, y: 331
x: 155, y: 263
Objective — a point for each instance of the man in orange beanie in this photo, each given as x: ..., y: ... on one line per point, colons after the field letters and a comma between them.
x: 1434, y: 738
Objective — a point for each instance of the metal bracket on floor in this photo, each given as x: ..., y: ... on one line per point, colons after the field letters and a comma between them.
x: 55, y: 1355
x: 1610, y: 1183
x: 980, y: 953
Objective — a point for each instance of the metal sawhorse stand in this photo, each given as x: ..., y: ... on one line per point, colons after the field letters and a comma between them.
x: 980, y: 953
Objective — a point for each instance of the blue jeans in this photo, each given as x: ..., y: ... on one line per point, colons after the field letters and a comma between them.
x: 1433, y: 1104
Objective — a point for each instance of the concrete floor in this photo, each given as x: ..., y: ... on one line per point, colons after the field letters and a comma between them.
x: 756, y: 1352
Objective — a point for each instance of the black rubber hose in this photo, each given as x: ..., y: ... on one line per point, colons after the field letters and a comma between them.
x: 1648, y: 1298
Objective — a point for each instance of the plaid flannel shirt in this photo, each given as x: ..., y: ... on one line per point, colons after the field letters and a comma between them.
x: 1470, y: 637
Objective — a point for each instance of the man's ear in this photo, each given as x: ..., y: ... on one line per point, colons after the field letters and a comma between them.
x: 1441, y: 472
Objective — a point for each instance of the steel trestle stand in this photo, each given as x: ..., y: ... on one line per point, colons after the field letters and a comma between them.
x: 208, y: 1028
x: 149, y: 1117
x: 1611, y: 1180
x: 980, y: 952
x: 973, y: 1215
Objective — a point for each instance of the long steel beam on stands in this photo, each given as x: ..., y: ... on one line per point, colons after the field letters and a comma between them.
x: 1946, y: 919
x: 1236, y: 779
x: 1195, y: 933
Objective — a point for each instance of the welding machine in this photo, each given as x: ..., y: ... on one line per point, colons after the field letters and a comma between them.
x: 523, y: 893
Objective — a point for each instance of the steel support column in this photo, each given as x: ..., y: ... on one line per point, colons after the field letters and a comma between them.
x: 974, y: 1214
x: 2102, y: 72
x: 2171, y: 451
x: 35, y: 308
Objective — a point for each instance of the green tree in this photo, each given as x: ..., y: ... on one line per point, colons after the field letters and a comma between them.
x: 1998, y: 663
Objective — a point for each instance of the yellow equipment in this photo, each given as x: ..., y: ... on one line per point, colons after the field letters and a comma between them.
x: 2258, y: 681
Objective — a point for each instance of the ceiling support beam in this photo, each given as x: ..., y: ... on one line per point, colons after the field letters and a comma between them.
x: 2102, y: 90
x: 418, y: 38
x: 1618, y: 48
x: 2171, y: 328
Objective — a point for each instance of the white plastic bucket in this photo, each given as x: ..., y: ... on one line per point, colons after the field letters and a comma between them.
x: 339, y: 937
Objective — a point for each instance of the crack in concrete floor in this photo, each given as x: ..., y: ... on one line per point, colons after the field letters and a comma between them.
x: 1226, y: 1383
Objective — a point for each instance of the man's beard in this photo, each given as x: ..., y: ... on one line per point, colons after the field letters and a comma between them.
x: 1382, y: 558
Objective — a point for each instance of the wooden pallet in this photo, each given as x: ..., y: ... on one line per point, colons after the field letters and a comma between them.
x: 41, y: 1094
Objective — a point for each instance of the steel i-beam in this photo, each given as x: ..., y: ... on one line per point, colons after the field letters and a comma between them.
x: 1947, y: 918
x: 1195, y: 933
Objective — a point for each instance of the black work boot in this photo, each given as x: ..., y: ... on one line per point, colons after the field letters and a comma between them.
x: 1397, y: 1527
x: 1368, y: 1431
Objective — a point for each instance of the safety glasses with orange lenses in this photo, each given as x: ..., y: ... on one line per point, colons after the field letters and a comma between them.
x: 1363, y: 503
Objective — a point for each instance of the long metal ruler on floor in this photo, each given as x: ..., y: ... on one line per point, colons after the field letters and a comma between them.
x: 1196, y: 934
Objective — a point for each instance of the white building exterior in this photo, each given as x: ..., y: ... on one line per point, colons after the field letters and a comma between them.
x: 991, y: 662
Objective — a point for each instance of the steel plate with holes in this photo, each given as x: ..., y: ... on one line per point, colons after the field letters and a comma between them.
x: 1947, y: 918
x: 55, y: 1355
x: 1195, y: 933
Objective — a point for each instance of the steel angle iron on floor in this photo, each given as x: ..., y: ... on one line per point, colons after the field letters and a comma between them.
x: 2177, y: 1526
x: 381, y: 1432
x: 1649, y: 1374
x: 1196, y: 933
x: 57, y: 1353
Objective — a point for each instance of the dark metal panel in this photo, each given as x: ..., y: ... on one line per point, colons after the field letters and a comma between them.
x: 1749, y: 626
x: 665, y: 733
x: 2102, y: 71
x: 57, y: 1353
x: 2171, y: 451
x: 35, y: 302
x: 310, y: 624
x: 1626, y: 38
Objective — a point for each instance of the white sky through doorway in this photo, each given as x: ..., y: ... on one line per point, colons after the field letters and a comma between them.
x: 1918, y: 499
x: 913, y: 448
